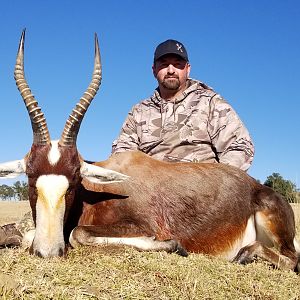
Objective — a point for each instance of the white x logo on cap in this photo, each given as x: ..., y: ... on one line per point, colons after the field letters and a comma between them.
x: 179, y: 47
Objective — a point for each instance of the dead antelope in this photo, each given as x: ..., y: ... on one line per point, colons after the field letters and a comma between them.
x: 176, y: 207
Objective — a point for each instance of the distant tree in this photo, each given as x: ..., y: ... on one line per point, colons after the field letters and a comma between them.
x: 6, y: 192
x: 20, y: 190
x: 284, y: 187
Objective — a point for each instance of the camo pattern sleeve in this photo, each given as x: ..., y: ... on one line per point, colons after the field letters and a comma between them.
x: 128, y: 138
x: 229, y: 136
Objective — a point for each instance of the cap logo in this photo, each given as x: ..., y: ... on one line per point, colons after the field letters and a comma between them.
x: 179, y: 47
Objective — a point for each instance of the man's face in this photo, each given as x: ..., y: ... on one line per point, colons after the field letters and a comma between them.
x: 171, y: 72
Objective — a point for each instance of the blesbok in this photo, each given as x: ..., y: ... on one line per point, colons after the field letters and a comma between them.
x: 132, y: 199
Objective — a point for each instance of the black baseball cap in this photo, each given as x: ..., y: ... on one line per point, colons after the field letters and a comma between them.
x: 170, y: 47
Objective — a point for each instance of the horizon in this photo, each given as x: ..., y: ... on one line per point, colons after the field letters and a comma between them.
x: 248, y: 52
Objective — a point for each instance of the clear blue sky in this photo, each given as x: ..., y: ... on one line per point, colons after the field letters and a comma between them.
x: 248, y: 51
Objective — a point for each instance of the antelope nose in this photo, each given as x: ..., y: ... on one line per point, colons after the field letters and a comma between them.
x: 38, y: 253
x: 57, y: 253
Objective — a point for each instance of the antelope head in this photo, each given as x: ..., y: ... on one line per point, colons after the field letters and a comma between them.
x: 54, y: 168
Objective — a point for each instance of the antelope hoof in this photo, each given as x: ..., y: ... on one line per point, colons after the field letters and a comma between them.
x: 243, y: 257
x: 177, y: 248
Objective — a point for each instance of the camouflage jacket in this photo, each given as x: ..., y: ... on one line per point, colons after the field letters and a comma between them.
x: 199, y: 126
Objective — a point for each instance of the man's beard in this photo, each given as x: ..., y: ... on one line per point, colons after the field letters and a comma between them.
x: 171, y: 83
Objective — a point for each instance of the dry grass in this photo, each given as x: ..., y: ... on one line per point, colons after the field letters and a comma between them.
x: 102, y: 273
x: 12, y: 211
x: 90, y: 273
x: 296, y: 209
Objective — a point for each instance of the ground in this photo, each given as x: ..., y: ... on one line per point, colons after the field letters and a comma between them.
x: 124, y: 273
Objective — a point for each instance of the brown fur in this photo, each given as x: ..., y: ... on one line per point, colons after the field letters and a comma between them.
x: 203, y: 206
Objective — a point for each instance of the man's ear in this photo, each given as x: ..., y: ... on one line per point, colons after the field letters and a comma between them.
x: 154, y: 70
x: 188, y: 69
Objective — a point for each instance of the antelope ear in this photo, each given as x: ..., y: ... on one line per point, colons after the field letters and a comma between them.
x: 12, y: 169
x: 96, y: 174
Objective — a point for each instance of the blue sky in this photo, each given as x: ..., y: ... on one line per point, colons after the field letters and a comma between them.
x: 248, y: 51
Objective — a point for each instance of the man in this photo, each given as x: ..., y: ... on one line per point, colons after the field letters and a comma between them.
x: 184, y: 120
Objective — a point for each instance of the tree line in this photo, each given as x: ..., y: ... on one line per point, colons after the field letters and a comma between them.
x: 284, y: 187
x: 19, y: 190
x: 16, y: 192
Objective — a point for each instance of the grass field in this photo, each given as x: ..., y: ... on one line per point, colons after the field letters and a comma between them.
x: 106, y: 273
x: 11, y: 211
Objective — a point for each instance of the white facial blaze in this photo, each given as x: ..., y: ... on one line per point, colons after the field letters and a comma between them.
x: 54, y: 154
x: 50, y: 210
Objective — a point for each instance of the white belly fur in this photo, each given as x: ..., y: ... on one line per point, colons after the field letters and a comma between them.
x: 248, y: 237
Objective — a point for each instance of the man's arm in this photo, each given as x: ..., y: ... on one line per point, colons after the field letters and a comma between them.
x: 229, y: 136
x: 128, y: 138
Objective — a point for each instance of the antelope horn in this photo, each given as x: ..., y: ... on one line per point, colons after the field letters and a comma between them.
x: 72, y: 126
x: 38, y: 122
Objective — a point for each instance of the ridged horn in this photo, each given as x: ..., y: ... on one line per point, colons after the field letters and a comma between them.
x: 72, y: 126
x: 38, y: 122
